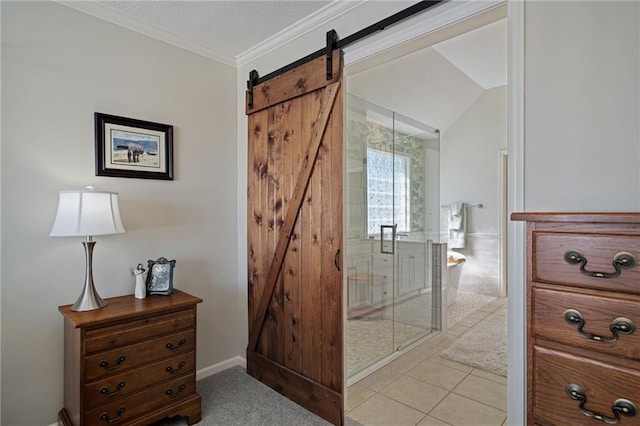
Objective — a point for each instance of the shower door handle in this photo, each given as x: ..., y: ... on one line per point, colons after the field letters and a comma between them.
x: 384, y: 243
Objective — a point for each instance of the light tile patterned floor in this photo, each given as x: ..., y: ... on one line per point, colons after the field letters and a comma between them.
x: 427, y: 390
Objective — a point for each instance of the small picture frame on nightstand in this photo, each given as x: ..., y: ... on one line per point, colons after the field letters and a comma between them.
x: 160, y: 276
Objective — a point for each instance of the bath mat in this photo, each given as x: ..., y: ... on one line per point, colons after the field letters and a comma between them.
x: 466, y: 304
x: 484, y: 346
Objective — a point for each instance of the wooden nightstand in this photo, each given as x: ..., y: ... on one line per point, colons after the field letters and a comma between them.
x: 132, y: 362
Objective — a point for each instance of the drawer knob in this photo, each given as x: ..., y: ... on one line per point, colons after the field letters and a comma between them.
x: 619, y: 325
x: 108, y: 419
x: 105, y: 390
x: 175, y: 348
x: 170, y: 369
x: 620, y: 406
x: 104, y: 364
x: 623, y: 259
x: 171, y: 394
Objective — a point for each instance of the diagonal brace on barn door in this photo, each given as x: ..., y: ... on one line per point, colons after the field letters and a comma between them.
x: 284, y: 237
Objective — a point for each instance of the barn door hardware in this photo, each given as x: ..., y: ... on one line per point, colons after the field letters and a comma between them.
x: 332, y: 40
x: 251, y: 83
x: 333, y: 43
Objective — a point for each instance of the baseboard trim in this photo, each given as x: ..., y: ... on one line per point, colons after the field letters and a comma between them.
x: 221, y: 366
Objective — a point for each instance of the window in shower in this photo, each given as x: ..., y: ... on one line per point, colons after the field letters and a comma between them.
x: 388, y: 191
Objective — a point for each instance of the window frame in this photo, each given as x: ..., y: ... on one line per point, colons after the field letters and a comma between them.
x: 405, y: 224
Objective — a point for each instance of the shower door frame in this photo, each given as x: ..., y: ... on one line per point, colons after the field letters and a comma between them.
x: 378, y: 250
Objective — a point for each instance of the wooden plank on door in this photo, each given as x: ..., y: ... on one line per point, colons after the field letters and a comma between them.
x: 297, y: 82
x: 303, y: 391
x: 332, y: 242
x: 257, y: 196
x: 292, y: 141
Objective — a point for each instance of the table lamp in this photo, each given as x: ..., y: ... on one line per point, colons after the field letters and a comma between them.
x: 87, y: 213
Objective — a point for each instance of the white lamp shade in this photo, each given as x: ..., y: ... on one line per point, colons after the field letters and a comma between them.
x: 86, y: 213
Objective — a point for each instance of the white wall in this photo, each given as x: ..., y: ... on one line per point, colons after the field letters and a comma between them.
x: 582, y: 149
x: 60, y: 66
x: 470, y: 160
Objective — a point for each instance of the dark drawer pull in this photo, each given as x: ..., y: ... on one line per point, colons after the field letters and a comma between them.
x: 106, y: 392
x: 620, y: 406
x: 170, y: 369
x: 171, y: 394
x: 107, y: 418
x: 619, y: 325
x: 624, y: 259
x: 104, y: 364
x: 175, y: 348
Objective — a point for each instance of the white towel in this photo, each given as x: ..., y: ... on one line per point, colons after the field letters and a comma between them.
x: 457, y: 225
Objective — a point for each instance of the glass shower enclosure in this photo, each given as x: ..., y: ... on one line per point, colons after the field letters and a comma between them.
x: 392, y: 210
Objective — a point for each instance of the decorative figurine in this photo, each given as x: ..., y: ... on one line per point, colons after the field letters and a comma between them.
x: 141, y: 289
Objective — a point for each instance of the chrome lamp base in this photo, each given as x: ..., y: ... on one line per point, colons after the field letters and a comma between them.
x: 89, y: 300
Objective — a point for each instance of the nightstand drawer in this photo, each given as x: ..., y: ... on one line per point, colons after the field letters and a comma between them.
x: 607, y: 324
x: 120, y: 385
x: 133, y: 331
x: 601, y: 384
x: 592, y: 262
x: 116, y: 360
x: 119, y: 412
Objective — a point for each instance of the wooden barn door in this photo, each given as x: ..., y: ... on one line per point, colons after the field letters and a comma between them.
x: 295, y: 127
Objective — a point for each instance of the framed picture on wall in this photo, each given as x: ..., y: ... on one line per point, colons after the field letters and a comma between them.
x: 131, y: 148
x: 160, y: 276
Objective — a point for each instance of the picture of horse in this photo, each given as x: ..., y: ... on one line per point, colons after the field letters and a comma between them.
x: 134, y: 149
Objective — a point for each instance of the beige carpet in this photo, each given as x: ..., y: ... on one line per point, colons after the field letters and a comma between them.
x: 233, y: 398
x: 485, y: 346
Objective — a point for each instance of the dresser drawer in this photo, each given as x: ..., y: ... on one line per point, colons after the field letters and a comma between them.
x: 116, y: 360
x: 123, y: 410
x: 598, y: 314
x: 124, y: 384
x: 133, y: 331
x: 601, y: 383
x: 549, y: 265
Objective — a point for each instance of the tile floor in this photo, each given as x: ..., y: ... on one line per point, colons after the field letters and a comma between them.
x: 421, y: 388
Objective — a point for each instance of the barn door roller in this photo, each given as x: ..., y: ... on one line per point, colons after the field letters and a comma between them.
x: 332, y: 40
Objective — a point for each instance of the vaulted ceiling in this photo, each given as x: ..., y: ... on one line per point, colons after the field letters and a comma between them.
x: 437, y: 84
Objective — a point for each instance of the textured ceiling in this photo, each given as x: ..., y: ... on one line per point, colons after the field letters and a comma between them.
x: 228, y: 27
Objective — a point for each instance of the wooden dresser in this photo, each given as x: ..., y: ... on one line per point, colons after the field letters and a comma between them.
x: 583, y: 310
x: 132, y: 362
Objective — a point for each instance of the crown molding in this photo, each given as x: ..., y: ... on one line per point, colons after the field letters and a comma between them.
x: 309, y: 23
x: 110, y: 15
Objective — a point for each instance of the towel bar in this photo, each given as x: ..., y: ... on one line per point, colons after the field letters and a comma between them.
x: 479, y: 205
